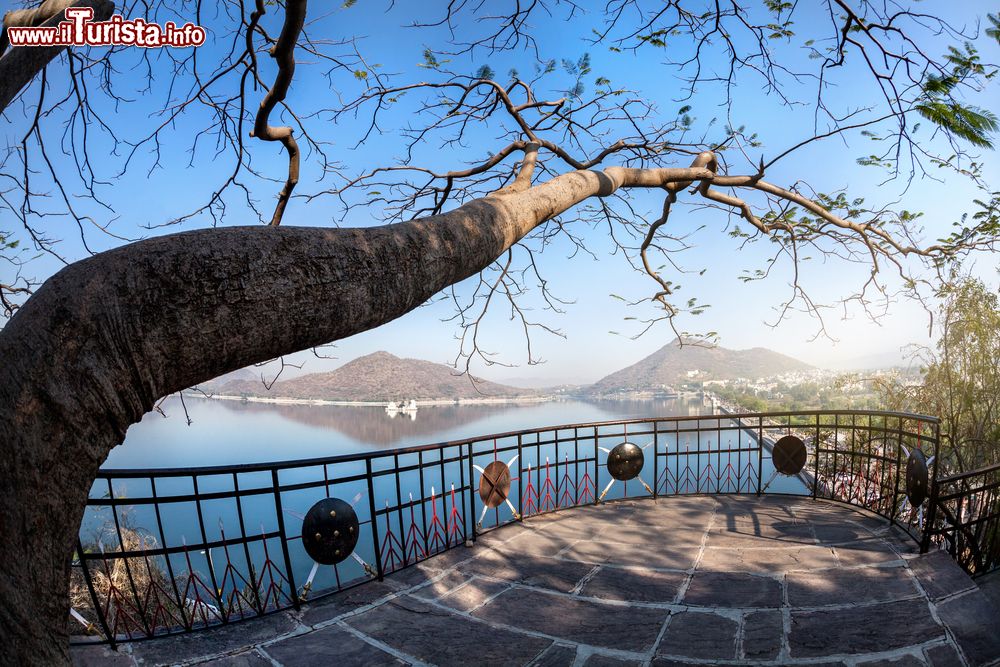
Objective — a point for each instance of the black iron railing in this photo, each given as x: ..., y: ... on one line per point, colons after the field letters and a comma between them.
x: 965, y: 519
x: 164, y: 551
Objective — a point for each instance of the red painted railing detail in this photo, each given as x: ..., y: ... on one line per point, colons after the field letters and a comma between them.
x: 393, y: 552
x: 587, y: 489
x: 709, y: 472
x: 565, y: 483
x: 548, y: 500
x: 415, y: 539
x: 530, y: 496
x: 436, y: 533
x: 456, y: 524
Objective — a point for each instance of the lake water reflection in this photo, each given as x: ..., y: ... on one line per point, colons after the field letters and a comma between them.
x: 233, y: 432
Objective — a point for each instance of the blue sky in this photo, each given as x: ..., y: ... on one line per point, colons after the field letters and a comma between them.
x: 739, y: 312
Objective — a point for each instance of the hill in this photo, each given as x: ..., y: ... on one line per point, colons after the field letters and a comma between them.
x: 242, y: 375
x: 671, y: 364
x: 379, y: 376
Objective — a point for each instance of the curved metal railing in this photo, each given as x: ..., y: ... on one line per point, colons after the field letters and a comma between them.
x: 965, y: 519
x: 171, y: 550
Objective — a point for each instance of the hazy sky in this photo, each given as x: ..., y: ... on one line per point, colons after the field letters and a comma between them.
x: 739, y: 312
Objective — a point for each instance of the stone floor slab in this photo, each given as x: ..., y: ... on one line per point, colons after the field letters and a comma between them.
x: 853, y: 586
x: 762, y: 635
x: 438, y: 637
x: 693, y: 634
x: 101, y: 655
x: 968, y: 617
x: 869, y: 551
x: 943, y: 655
x: 666, y: 534
x: 732, y: 589
x: 990, y: 586
x: 859, y: 630
x: 332, y: 606
x: 634, y: 584
x: 764, y: 561
x: 609, y: 661
x: 440, y: 585
x: 249, y: 659
x: 540, y: 571
x: 624, y: 627
x: 473, y: 594
x: 557, y: 655
x: 838, y: 532
x: 675, y: 509
x: 939, y: 575
x: 676, y: 557
x: 331, y: 645
x: 747, y: 535
x: 539, y: 543
x: 223, y: 639
x: 751, y: 508
x: 901, y: 661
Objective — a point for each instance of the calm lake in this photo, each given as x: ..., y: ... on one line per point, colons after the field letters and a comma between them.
x: 232, y: 432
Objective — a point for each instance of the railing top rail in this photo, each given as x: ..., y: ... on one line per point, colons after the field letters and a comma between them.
x: 120, y: 473
x: 958, y: 477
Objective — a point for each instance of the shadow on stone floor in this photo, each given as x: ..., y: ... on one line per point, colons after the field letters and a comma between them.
x: 680, y: 581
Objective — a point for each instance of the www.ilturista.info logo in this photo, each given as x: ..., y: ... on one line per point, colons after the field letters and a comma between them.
x: 79, y: 30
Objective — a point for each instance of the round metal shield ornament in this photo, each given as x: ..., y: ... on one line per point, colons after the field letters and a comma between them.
x: 916, y: 477
x: 625, y: 461
x: 789, y: 455
x: 494, y: 484
x: 330, y: 531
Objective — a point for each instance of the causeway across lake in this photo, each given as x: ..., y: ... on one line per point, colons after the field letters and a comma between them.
x: 684, y: 580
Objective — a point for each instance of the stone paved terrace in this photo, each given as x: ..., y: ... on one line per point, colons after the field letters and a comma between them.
x: 676, y: 581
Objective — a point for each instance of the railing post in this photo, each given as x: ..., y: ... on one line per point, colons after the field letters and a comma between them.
x: 374, y: 517
x: 284, y: 538
x: 423, y: 503
x: 928, y: 527
x: 93, y: 597
x: 656, y: 460
x: 128, y: 570
x: 399, y: 509
x: 520, y: 478
x: 576, y: 466
x: 163, y: 541
x: 932, y: 501
x: 597, y: 468
x: 216, y: 589
x: 760, y: 452
x: 898, y: 471
x: 816, y: 458
x: 472, y: 494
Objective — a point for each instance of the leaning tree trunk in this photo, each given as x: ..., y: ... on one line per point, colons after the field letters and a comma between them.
x: 18, y: 66
x: 104, y: 338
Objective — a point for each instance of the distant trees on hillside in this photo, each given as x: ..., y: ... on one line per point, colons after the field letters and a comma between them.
x: 961, y: 381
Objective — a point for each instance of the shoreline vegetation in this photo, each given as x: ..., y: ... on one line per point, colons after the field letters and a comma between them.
x: 499, y: 400
x: 284, y: 400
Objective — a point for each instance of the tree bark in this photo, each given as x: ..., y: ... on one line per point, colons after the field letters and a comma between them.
x: 106, y: 337
x: 19, y: 65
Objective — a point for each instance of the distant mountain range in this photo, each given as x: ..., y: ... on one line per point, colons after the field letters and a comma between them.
x: 382, y: 377
x: 379, y: 376
x: 673, y: 365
